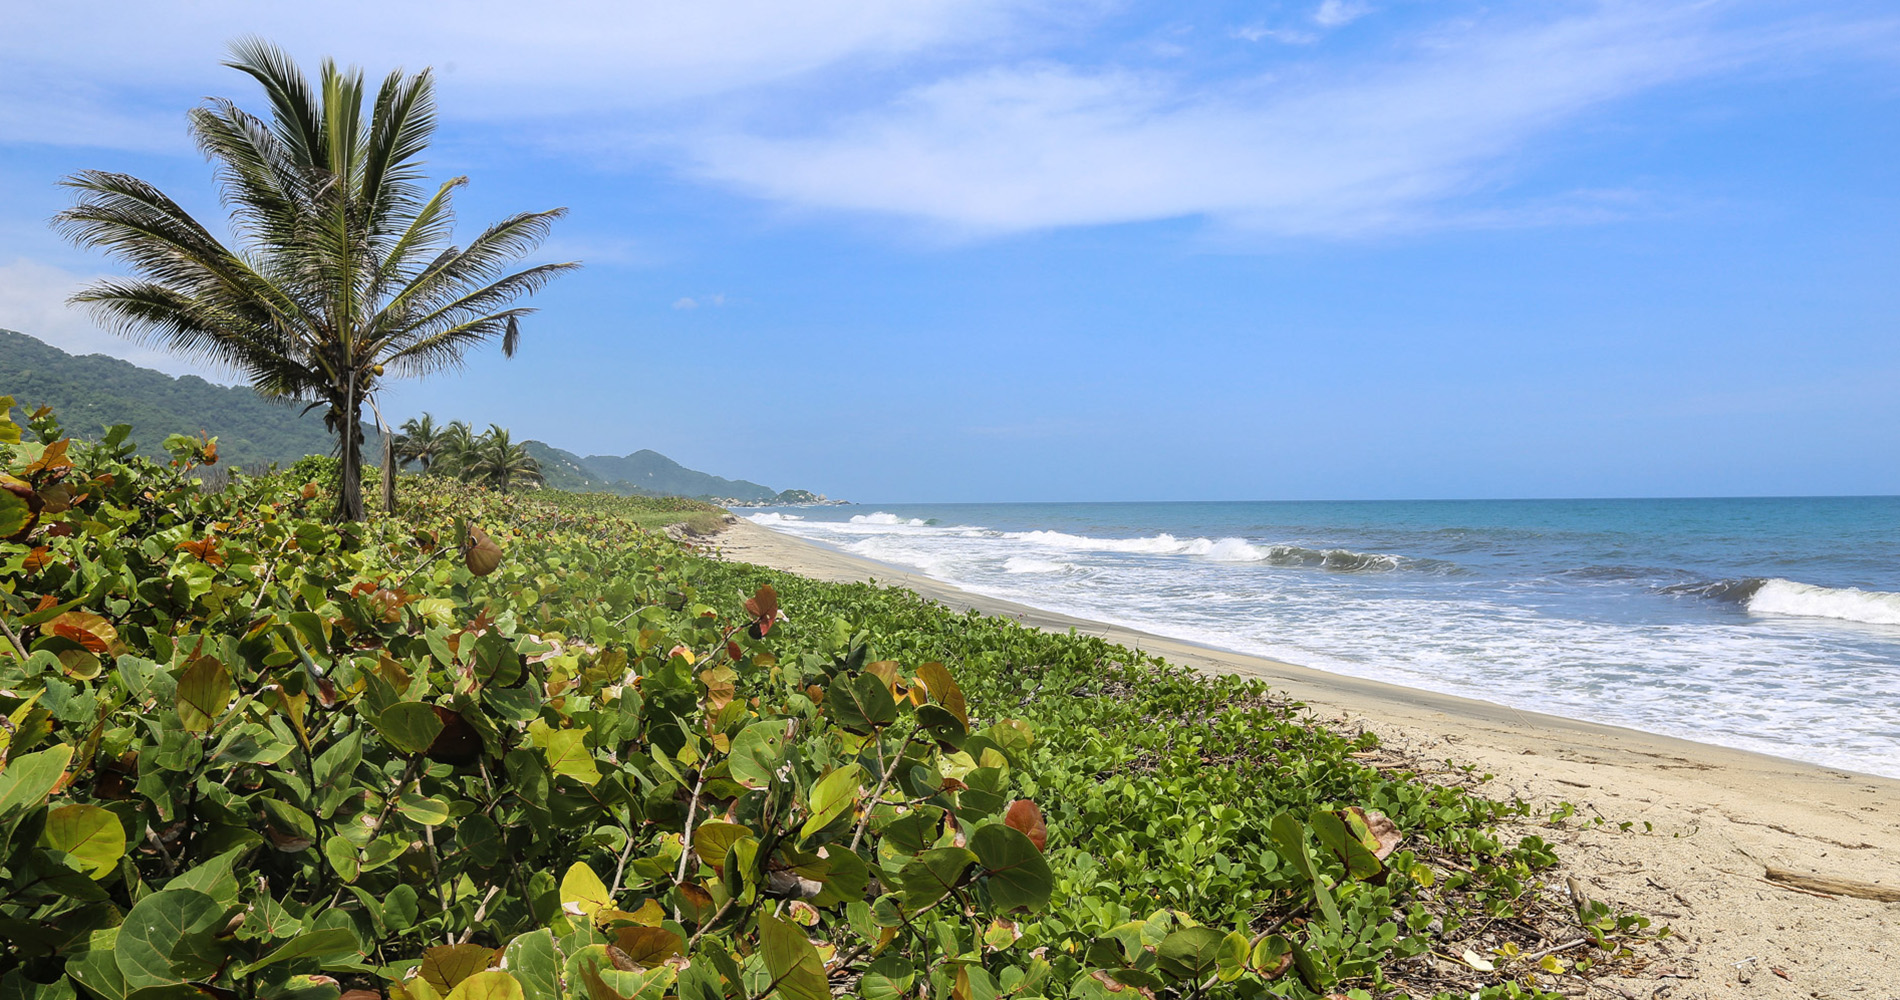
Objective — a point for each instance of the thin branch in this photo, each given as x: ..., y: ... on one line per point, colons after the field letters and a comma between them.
x: 435, y: 875
x: 686, y: 841
x: 18, y: 646
x: 883, y: 781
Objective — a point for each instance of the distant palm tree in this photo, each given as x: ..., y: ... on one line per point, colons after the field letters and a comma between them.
x: 420, y: 442
x: 343, y: 272
x: 499, y: 462
x: 457, y: 450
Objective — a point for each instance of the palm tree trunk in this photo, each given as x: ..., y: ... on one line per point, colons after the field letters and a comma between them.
x: 350, y: 500
x: 389, y: 471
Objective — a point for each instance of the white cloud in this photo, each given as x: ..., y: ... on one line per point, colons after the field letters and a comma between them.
x: 685, y: 303
x: 33, y: 301
x: 1369, y: 147
x: 1287, y: 36
x: 1336, y: 13
x: 496, y: 58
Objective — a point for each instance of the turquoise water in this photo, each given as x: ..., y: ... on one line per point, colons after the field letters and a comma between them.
x: 1770, y: 624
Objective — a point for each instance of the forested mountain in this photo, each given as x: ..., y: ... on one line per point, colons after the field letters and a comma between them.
x: 655, y: 473
x: 92, y: 392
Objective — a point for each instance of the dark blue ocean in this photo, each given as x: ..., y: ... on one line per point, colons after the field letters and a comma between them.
x: 1770, y: 624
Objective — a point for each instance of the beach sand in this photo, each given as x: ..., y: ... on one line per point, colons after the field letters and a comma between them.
x: 1707, y: 823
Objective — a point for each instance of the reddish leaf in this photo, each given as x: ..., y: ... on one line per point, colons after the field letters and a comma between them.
x: 90, y: 631
x: 38, y: 559
x: 57, y: 499
x: 52, y: 459
x: 206, y: 550
x: 763, y: 607
x: 1025, y: 818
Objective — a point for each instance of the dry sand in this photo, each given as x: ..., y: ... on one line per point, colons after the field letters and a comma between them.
x: 1717, y: 819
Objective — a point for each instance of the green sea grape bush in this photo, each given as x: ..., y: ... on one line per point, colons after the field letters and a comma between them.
x: 523, y: 749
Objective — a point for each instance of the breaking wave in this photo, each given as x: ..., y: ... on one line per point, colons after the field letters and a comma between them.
x: 1775, y: 596
x: 1235, y: 550
x: 881, y: 517
x: 1786, y: 597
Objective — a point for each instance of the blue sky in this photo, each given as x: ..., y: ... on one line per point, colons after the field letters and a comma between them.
x: 1063, y: 249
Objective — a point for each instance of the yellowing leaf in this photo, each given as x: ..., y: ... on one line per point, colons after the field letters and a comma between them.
x: 203, y: 693
x: 445, y: 967
x: 492, y: 984
x: 567, y: 754
x: 582, y: 891
x: 90, y: 835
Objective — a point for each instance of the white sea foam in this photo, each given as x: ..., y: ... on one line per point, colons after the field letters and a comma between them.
x: 1786, y: 597
x: 1163, y: 544
x: 881, y: 517
x: 771, y: 517
x: 1027, y: 564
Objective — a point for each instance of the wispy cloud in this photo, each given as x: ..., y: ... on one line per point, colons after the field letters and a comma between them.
x: 1335, y: 13
x: 67, y: 74
x: 1287, y: 36
x: 1331, y: 149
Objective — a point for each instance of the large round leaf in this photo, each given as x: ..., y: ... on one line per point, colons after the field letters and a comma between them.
x: 532, y: 959
x: 1191, y: 953
x: 1018, y: 874
x: 931, y: 875
x: 798, y: 972
x: 203, y: 693
x: 169, y: 937
x: 91, y: 836
x: 493, y: 984
x: 758, y: 751
x: 409, y: 726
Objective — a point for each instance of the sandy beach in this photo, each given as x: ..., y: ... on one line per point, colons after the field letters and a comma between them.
x: 1724, y: 846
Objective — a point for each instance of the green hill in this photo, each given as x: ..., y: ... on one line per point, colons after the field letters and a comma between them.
x: 564, y: 470
x: 92, y: 392
x: 655, y: 473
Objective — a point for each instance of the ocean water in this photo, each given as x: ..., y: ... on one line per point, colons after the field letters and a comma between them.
x: 1769, y: 624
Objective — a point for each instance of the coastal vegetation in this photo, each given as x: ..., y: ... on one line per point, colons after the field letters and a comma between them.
x: 519, y: 747
x: 343, y: 275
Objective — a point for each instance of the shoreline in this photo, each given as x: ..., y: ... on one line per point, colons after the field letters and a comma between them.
x: 1718, y: 819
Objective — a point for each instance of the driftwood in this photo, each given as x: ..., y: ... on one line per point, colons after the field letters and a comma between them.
x: 1835, y: 886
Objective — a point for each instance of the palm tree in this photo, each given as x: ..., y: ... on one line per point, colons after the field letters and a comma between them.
x: 342, y: 273
x: 420, y: 442
x: 457, y: 450
x: 499, y: 462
